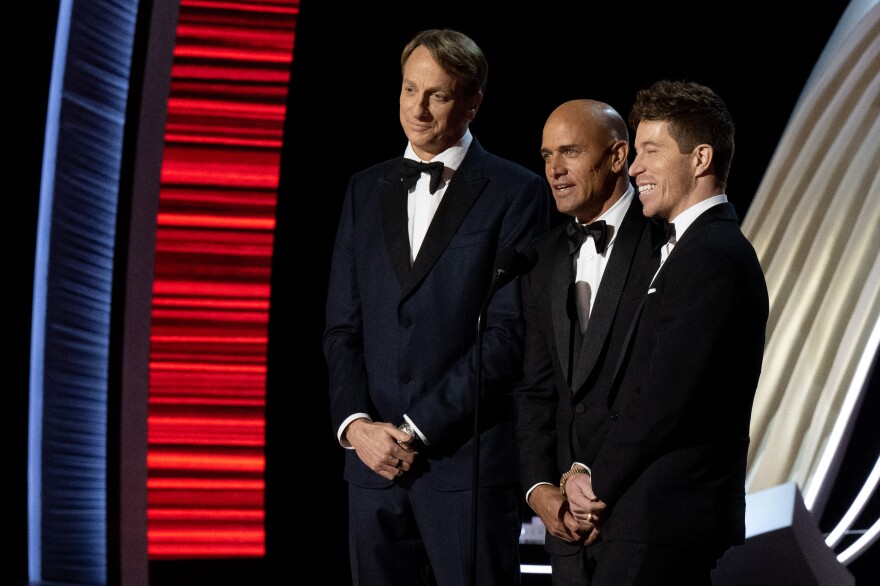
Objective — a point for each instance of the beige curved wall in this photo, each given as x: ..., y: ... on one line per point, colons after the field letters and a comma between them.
x: 815, y: 223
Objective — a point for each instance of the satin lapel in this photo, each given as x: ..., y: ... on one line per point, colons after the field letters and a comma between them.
x: 610, y: 289
x: 561, y: 278
x: 463, y: 191
x: 395, y: 224
x: 625, y: 349
x: 724, y: 212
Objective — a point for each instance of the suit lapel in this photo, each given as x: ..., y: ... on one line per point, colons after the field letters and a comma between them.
x: 561, y: 278
x: 717, y: 213
x: 465, y: 188
x: 625, y: 348
x: 395, y: 222
x: 457, y: 202
x: 610, y: 289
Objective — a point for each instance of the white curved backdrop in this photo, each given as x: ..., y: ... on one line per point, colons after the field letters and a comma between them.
x: 815, y: 223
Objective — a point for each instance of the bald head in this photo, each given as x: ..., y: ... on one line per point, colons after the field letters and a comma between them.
x: 598, y: 116
x: 585, y: 147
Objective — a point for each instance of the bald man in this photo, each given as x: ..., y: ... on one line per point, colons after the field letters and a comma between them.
x: 579, y: 299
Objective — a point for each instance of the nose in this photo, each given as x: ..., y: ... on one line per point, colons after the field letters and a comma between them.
x: 636, y: 167
x: 552, y: 167
x: 423, y: 106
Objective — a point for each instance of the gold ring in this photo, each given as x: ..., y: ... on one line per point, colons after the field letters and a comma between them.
x: 589, y: 517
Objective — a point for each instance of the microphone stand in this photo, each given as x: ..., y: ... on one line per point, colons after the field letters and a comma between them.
x: 481, y: 328
x: 508, y: 264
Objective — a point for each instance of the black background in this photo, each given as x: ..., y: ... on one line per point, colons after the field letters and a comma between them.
x: 343, y: 116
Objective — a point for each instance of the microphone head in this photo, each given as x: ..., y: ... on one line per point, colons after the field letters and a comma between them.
x: 506, y: 260
x: 528, y: 258
x: 510, y: 263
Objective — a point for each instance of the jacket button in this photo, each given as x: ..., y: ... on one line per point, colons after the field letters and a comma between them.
x: 614, y: 416
x: 405, y: 378
x: 579, y: 408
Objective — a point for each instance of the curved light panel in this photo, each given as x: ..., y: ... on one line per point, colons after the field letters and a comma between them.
x: 73, y: 277
x: 814, y: 224
x: 214, y: 242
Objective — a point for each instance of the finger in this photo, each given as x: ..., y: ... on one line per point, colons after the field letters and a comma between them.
x: 591, y: 538
x: 407, y: 446
x: 585, y: 525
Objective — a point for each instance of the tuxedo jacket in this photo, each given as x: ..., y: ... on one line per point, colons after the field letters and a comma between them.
x: 400, y: 338
x: 672, y: 467
x: 562, y: 400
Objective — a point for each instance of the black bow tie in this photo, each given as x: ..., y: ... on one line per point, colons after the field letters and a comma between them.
x: 662, y: 233
x: 669, y: 232
x: 577, y: 234
x: 410, y: 171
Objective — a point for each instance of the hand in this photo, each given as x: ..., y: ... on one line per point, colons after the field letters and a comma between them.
x: 381, y: 446
x: 549, y: 504
x: 588, y: 511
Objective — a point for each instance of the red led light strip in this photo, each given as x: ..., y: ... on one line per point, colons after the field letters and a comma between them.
x: 208, y: 342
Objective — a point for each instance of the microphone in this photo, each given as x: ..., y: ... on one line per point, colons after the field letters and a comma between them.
x: 510, y: 263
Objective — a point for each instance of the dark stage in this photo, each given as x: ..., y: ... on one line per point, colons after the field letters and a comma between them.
x: 342, y: 117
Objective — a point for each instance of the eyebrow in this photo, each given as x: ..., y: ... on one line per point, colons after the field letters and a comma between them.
x: 563, y: 147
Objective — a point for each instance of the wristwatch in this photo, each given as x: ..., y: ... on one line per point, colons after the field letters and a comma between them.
x: 407, y: 427
x: 575, y: 469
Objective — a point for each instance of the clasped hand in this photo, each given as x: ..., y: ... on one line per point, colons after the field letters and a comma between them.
x: 585, y: 508
x: 576, y: 519
x: 382, y: 447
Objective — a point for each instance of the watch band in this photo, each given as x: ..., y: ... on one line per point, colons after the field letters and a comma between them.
x: 575, y: 469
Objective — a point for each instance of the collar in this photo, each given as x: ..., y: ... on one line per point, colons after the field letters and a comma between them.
x: 451, y: 157
x: 614, y: 215
x: 687, y: 217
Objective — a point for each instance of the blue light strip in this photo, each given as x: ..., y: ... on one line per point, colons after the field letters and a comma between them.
x: 73, y: 277
x: 38, y: 323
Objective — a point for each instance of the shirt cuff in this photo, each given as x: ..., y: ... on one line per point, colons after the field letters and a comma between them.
x: 416, y: 429
x: 584, y: 466
x: 342, y: 442
x: 529, y: 493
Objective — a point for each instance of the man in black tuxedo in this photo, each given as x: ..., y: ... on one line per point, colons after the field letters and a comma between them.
x: 412, y: 267
x: 603, y: 258
x: 667, y: 487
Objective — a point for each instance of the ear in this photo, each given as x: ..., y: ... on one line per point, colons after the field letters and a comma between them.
x: 474, y: 104
x: 619, y: 154
x: 703, y: 155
